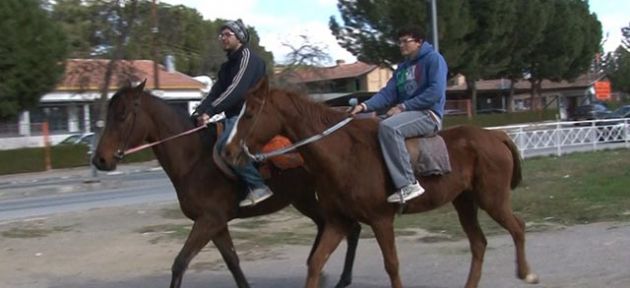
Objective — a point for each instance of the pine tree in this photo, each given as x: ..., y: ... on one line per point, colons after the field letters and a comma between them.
x: 32, y: 54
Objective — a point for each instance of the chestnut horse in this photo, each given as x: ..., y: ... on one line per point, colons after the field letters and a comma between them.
x: 353, y: 183
x: 205, y: 194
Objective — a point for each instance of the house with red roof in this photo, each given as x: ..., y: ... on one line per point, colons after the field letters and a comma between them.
x: 70, y: 108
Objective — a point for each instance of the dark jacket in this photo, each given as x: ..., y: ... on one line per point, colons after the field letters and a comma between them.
x: 242, y: 71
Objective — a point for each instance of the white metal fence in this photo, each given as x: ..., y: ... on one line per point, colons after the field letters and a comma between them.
x: 558, y: 138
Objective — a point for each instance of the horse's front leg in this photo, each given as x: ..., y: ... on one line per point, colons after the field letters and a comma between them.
x: 202, y: 231
x: 384, y: 233
x: 331, y: 236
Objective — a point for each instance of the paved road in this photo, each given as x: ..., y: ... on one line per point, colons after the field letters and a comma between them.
x: 64, y: 191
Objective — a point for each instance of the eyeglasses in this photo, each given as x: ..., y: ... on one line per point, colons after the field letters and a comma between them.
x: 405, y: 41
x: 225, y: 35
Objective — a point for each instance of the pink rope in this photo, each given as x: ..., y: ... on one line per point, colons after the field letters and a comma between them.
x: 145, y: 146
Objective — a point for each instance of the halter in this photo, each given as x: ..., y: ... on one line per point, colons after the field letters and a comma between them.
x: 260, y: 157
x: 120, y: 152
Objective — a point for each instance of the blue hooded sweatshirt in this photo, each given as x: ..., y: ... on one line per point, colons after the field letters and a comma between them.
x: 418, y: 83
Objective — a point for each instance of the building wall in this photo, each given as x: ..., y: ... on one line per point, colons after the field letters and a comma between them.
x: 376, y: 79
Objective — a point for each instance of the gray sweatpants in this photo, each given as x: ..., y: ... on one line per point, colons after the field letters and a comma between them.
x: 392, y: 133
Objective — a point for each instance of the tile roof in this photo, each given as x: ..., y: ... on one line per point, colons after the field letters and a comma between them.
x: 341, y: 71
x: 88, y: 74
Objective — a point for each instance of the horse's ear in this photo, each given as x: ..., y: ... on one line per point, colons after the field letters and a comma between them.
x: 140, y: 86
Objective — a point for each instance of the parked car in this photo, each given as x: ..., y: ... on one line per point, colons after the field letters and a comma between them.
x: 85, y: 139
x: 590, y: 112
x: 621, y: 112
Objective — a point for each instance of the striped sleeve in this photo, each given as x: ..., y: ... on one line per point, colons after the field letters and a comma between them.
x: 243, y: 80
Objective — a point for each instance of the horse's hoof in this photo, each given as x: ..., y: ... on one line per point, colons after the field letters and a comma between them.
x: 531, y: 278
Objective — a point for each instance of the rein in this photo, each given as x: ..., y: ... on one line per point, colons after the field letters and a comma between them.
x: 120, y: 154
x: 260, y: 157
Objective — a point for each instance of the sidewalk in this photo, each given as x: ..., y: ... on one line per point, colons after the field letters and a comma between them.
x: 84, y: 173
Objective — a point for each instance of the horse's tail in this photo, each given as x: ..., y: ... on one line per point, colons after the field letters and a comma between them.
x: 517, y: 175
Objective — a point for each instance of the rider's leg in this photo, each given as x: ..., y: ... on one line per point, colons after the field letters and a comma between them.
x: 392, y: 133
x: 258, y: 191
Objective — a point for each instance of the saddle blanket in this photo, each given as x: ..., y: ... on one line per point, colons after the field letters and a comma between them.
x: 428, y: 155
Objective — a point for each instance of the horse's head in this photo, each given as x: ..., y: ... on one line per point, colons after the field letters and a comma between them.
x: 258, y: 122
x: 125, y: 127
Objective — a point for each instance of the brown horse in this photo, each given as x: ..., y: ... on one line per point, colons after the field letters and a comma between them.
x: 205, y: 194
x: 352, y: 181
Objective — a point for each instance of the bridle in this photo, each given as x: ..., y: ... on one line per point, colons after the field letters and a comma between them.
x: 120, y: 152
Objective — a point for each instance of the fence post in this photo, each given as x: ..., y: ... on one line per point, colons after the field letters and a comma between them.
x: 558, y: 139
x: 46, y: 134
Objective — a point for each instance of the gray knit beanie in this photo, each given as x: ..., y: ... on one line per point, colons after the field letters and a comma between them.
x: 239, y: 29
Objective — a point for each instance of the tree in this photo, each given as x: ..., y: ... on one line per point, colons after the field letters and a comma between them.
x: 571, y: 40
x: 531, y: 20
x: 32, y: 53
x: 489, y: 43
x: 618, y: 66
x: 182, y: 33
x: 305, y: 56
x: 474, y: 34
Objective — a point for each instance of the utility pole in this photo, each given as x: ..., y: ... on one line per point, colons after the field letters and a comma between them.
x: 156, y: 54
x: 434, y: 27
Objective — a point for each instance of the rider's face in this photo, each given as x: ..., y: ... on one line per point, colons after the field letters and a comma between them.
x: 228, y: 40
x: 408, y: 45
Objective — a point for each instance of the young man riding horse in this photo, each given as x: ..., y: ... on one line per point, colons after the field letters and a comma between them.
x: 415, y: 96
x: 242, y: 70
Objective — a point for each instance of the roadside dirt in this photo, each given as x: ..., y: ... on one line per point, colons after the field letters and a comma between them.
x: 134, y: 246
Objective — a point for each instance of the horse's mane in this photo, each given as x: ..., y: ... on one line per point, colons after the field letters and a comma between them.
x: 313, y: 111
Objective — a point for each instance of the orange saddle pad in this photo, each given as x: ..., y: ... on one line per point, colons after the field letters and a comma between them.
x: 286, y: 161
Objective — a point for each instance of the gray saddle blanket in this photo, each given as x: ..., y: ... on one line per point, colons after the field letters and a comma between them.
x: 429, y: 156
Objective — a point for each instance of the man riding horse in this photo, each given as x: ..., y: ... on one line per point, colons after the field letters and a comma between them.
x: 242, y: 71
x: 415, y: 96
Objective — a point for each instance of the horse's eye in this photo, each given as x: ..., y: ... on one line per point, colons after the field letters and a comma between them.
x: 248, y: 115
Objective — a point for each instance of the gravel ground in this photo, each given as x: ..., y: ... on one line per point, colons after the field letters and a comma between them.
x: 121, y: 247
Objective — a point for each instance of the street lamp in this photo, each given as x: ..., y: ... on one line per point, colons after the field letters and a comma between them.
x: 434, y: 27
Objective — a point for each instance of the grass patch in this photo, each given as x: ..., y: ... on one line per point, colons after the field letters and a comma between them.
x: 503, y: 119
x: 166, y: 232
x: 30, y: 232
x: 579, y: 188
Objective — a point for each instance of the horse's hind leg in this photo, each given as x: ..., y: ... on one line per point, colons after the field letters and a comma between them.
x: 202, y: 231
x: 505, y: 217
x: 352, y: 240
x: 467, y: 213
x: 384, y: 233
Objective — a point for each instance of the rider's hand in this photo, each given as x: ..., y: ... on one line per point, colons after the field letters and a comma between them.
x: 357, y: 109
x: 203, y: 119
x: 395, y: 110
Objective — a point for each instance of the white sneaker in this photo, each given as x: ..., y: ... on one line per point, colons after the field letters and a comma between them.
x: 256, y: 196
x: 406, y: 193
